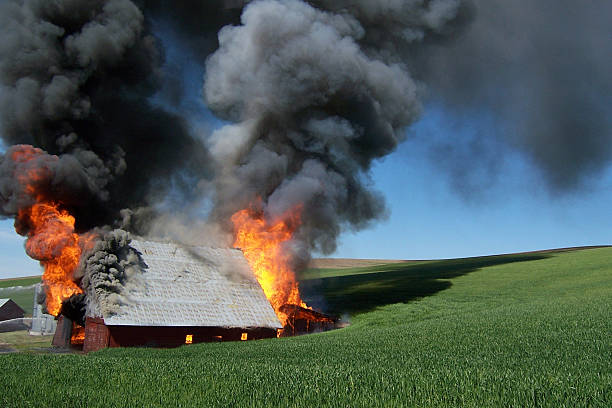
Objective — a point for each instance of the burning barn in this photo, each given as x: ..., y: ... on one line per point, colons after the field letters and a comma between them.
x: 184, y: 295
x: 91, y: 146
x: 303, y: 320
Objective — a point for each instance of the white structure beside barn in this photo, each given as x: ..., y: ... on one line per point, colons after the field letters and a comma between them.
x: 42, y: 323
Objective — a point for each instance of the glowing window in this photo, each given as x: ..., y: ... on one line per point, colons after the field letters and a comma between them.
x: 189, y: 339
x: 244, y: 336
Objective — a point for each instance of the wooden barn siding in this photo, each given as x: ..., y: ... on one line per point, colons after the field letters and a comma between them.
x: 174, y: 336
x: 296, y: 327
x: 10, y: 310
x: 98, y: 335
x: 63, y: 332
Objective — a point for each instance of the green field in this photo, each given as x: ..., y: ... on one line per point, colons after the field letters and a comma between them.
x: 518, y: 330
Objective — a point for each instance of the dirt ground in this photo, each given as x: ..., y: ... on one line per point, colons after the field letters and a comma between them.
x: 342, y: 263
x: 21, y: 341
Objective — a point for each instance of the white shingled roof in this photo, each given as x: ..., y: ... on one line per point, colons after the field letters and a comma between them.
x: 195, y: 286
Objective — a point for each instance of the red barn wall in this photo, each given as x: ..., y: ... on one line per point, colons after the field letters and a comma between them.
x: 98, y: 335
x: 63, y: 332
x: 174, y: 336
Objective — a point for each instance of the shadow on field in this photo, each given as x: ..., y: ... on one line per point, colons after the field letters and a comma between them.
x: 396, y: 283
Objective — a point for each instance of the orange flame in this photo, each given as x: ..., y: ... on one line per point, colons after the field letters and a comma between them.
x: 78, y: 335
x: 27, y: 176
x: 50, y: 231
x: 262, y: 244
x: 52, y: 241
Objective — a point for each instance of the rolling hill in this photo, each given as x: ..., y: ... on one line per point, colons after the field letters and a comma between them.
x: 511, y: 330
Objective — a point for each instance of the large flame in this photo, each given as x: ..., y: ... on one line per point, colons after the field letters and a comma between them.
x: 51, y: 236
x: 263, y: 246
x: 52, y: 241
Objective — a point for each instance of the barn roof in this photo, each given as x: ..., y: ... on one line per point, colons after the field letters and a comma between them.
x: 9, y: 304
x: 195, y: 286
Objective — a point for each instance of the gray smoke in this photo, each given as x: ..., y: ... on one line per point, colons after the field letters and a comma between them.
x: 543, y: 69
x: 76, y: 80
x: 109, y: 272
x: 72, y: 179
x: 316, y: 93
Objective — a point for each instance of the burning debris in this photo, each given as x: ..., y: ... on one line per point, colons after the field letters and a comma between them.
x: 301, y: 320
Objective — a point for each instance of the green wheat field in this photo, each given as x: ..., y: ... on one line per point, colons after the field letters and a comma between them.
x: 524, y: 330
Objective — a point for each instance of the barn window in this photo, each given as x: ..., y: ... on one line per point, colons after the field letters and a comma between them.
x: 243, y: 336
x: 189, y: 339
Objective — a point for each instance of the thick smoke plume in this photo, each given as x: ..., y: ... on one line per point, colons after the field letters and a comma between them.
x: 313, y: 93
x: 77, y: 85
x: 111, y: 269
x: 316, y: 92
x: 76, y: 78
x: 108, y: 273
x: 542, y: 69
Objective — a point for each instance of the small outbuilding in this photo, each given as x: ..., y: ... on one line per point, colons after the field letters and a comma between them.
x: 10, y: 310
x: 42, y: 323
x: 186, y: 295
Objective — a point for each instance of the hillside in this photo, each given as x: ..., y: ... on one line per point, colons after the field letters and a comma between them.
x: 343, y: 263
x: 514, y: 330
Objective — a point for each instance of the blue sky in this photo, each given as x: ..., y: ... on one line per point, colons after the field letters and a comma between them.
x: 512, y: 211
x: 509, y: 211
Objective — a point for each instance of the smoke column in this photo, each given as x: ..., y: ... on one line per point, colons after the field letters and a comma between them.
x: 76, y: 80
x: 76, y: 85
x: 314, y: 92
x: 543, y: 70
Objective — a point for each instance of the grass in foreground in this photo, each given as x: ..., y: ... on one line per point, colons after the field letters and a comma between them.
x: 527, y: 332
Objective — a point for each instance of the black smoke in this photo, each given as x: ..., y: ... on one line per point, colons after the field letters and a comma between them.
x: 75, y: 308
x: 77, y: 78
x: 542, y: 68
x: 315, y: 92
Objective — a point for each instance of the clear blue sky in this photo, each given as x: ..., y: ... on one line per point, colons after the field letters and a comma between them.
x: 509, y: 211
